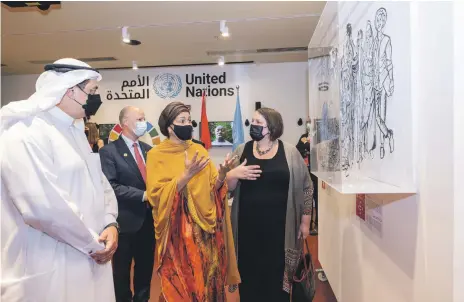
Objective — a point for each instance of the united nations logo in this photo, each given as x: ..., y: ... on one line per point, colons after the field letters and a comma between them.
x: 167, y: 85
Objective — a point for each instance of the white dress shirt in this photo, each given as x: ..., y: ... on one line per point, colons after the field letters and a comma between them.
x: 130, y: 145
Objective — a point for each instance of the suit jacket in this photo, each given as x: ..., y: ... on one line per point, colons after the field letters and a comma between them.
x: 120, y: 167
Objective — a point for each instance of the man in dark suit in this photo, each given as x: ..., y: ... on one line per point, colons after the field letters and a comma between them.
x: 123, y: 163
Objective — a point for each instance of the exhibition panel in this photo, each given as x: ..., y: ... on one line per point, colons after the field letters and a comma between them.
x: 360, y: 98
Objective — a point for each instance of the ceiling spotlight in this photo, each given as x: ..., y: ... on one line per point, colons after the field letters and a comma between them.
x: 125, y: 35
x: 224, y: 29
x: 225, y: 32
x: 221, y: 61
x: 134, y: 65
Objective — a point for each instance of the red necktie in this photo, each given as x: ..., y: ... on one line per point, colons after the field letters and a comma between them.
x: 140, y: 164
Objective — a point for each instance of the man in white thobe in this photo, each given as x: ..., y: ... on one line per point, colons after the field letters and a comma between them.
x: 58, y: 219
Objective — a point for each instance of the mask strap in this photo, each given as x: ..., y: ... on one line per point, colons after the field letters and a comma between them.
x: 77, y: 102
x: 268, y: 132
x: 83, y: 92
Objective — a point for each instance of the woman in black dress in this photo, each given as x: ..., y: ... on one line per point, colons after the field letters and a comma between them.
x: 273, y: 180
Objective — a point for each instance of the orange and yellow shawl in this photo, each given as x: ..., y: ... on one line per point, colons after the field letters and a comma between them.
x: 193, y: 228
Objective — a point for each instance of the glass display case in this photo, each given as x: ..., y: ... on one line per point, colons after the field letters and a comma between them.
x: 360, y: 98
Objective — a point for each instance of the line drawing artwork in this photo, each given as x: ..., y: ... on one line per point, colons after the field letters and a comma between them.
x: 366, y: 87
x: 347, y: 99
x: 383, y: 79
x: 328, y: 126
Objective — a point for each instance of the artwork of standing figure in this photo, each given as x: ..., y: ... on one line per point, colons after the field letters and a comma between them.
x: 327, y: 128
x: 367, y: 117
x: 383, y: 80
x: 333, y: 64
x: 359, y: 96
x: 366, y: 85
x: 348, y: 98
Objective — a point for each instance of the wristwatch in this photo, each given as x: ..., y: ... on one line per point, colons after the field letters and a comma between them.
x: 115, y: 224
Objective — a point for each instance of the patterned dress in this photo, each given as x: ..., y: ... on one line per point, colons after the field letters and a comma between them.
x: 193, y: 268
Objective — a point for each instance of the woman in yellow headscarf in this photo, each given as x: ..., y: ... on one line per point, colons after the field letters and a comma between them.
x: 195, y: 249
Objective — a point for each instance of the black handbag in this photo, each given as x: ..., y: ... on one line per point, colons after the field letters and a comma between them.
x: 304, y: 282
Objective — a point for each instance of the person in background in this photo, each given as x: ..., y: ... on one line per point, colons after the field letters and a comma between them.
x: 303, y: 147
x: 220, y: 139
x: 59, y: 229
x: 196, y: 256
x: 93, y: 137
x: 123, y: 163
x: 271, y: 209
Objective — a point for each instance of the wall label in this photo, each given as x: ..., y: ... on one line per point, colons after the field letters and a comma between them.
x: 131, y: 90
x: 196, y: 83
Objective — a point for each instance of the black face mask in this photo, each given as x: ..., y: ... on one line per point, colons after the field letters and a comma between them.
x: 256, y: 132
x: 87, y: 133
x: 93, y: 104
x: 183, y: 132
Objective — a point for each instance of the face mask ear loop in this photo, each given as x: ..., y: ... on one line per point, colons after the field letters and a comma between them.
x: 268, y: 132
x: 75, y: 99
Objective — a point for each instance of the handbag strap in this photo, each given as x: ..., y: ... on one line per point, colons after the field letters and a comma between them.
x: 306, y: 265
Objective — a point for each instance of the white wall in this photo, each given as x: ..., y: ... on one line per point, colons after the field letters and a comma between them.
x: 458, y: 153
x: 411, y: 258
x: 282, y: 86
x: 15, y: 88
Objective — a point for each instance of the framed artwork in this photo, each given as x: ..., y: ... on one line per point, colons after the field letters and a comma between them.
x: 221, y: 133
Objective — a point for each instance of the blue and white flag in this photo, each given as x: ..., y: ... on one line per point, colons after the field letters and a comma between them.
x: 237, y: 130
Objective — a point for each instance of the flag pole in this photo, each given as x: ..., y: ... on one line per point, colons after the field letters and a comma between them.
x: 237, y: 131
x: 204, y: 128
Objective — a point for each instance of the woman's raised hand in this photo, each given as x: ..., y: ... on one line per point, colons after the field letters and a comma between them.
x: 226, y: 166
x: 195, y: 165
x: 243, y: 171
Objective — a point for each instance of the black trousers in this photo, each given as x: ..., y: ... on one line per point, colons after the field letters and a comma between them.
x: 139, y: 246
x: 315, y: 196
